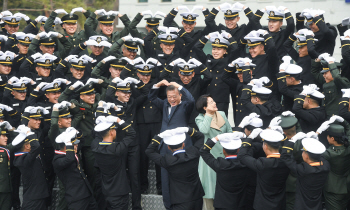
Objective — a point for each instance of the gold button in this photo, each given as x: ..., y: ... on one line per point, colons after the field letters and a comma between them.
x: 216, y: 78
x: 215, y: 84
x: 210, y: 70
x: 190, y: 56
x: 236, y: 102
x: 190, y: 50
x: 155, y: 43
x: 236, y: 96
x: 217, y: 71
x: 329, y: 91
x: 144, y: 107
x: 236, y: 110
x: 150, y: 107
x: 165, y: 64
x: 132, y: 121
x: 154, y: 48
x: 73, y: 39
x: 184, y: 43
x: 130, y: 114
x: 74, y: 45
x: 241, y: 104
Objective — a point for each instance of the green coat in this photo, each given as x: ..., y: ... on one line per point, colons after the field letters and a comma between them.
x: 206, y: 174
x: 331, y: 90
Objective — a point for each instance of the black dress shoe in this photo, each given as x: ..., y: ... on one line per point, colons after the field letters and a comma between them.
x: 16, y: 207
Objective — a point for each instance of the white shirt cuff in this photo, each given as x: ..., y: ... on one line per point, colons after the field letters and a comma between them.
x: 121, y: 122
x: 180, y: 88
x: 214, y: 140
x: 154, y: 87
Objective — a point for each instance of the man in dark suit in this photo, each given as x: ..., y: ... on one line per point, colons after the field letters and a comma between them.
x: 186, y: 190
x: 111, y: 159
x: 176, y: 113
x: 229, y: 194
x: 78, y: 192
x: 271, y: 172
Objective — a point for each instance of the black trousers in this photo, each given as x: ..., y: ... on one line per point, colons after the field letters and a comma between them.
x: 39, y: 204
x: 88, y: 203
x: 133, y: 161
x: 48, y: 154
x: 222, y: 107
x: 5, y: 201
x: 146, y: 132
x: 16, y: 183
x: 192, y: 205
x: 118, y: 202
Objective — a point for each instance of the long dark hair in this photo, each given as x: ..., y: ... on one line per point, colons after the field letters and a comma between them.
x: 202, y: 102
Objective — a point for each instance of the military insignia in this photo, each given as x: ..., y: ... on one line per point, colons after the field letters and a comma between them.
x: 272, y: 13
x: 190, y: 17
x: 90, y: 85
x: 13, y: 20
x: 55, y: 85
x: 26, y: 39
x: 298, y: 40
x: 128, y: 85
x: 23, y: 85
x: 8, y: 58
x: 80, y: 63
x: 99, y: 39
x: 70, y: 15
x: 108, y: 17
x: 152, y: 19
x: 38, y: 111
x: 0, y: 110
x: 134, y: 43
x: 50, y: 39
x: 237, y: 66
x: 145, y: 68
x: 169, y: 38
x: 229, y: 12
x: 47, y: 61
x: 186, y: 68
x: 249, y: 42
x: 217, y: 41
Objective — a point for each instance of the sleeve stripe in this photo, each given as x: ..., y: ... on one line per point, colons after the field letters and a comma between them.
x: 207, y: 146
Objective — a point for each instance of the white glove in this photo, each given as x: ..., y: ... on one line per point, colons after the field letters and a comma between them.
x: 3, y: 37
x: 286, y: 59
x: 29, y: 108
x: 324, y: 126
x: 110, y: 105
x: 100, y: 12
x: 152, y: 61
x: 61, y: 80
x: 53, y: 34
x: 127, y: 38
x: 262, y: 31
x: 214, y: 34
x: 112, y: 119
x: 21, y: 15
x: 336, y: 118
x: 225, y: 6
x: 253, y: 115
x: 288, y: 113
x: 159, y: 13
x: 180, y: 130
x: 41, y: 85
x: 92, y: 80
x: 36, y: 56
x: 245, y: 121
x: 275, y: 121
x: 239, y: 135
x: 139, y: 40
x: 195, y: 62
x: 264, y: 80
x: 303, y: 31
x: 87, y: 58
x: 78, y: 9
x: 162, y: 28
x: 174, y: 29
x: 198, y: 7
x: 225, y: 34
x: 277, y: 128
x: 7, y: 125
x: 225, y: 137
x: 177, y: 61
x: 70, y: 57
x: 256, y: 82
x: 45, y: 111
x: 77, y: 84
x: 345, y: 21
x: 297, y: 137
x: 7, y: 108
x: 114, y: 13
x: 238, y: 5
x: 255, y: 133
x: 132, y: 80
x: 183, y: 8
x: 116, y: 80
x: 109, y: 58
x: 323, y: 56
x: 66, y: 104
x: 329, y: 59
x: 312, y: 134
x: 25, y: 80
x: 58, y: 106
x: 147, y: 12
x: 314, y: 87
x: 128, y: 60
x: 307, y: 90
x: 5, y: 13
x: 283, y: 66
x: 61, y: 11
x: 309, y: 33
x: 13, y: 79
x: 346, y: 93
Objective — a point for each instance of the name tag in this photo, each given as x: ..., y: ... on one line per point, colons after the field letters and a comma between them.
x: 15, y: 105
x: 39, y: 79
x: 209, y: 61
x: 49, y: 107
x: 161, y: 55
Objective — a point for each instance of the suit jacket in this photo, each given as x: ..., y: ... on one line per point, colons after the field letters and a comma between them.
x: 272, y: 174
x: 311, y: 179
x: 182, y: 166
x: 34, y: 181
x: 67, y: 167
x: 111, y: 161
x: 231, y: 178
x: 288, y: 92
x: 179, y: 115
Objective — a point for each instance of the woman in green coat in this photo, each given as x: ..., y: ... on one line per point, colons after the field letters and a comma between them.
x: 211, y: 123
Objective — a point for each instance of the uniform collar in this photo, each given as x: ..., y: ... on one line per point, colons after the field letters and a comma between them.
x: 7, y: 151
x: 179, y: 151
x: 274, y: 155
x: 231, y: 157
x: 20, y: 153
x: 316, y: 163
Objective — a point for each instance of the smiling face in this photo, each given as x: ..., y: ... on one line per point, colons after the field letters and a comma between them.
x: 218, y: 52
x: 11, y: 29
x: 106, y: 29
x: 77, y: 73
x: 328, y: 76
x: 174, y: 97
x: 302, y: 50
x: 167, y: 49
x: 3, y: 140
x: 256, y: 50
x: 70, y: 28
x: 43, y: 72
x: 123, y: 96
x: 34, y: 124
x: 231, y: 24
x: 96, y: 50
x: 4, y: 69
x: 64, y: 122
x: 313, y: 27
x: 53, y: 97
x: 188, y: 27
x: 129, y: 54
x: 186, y: 79
x: 47, y: 49
x: 19, y: 96
x: 274, y: 25
x: 89, y: 99
x: 23, y: 49
x: 144, y: 78
x: 115, y: 72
